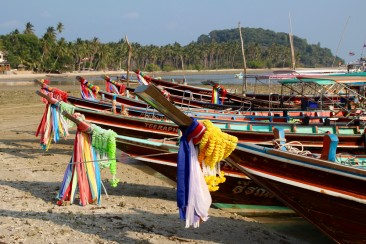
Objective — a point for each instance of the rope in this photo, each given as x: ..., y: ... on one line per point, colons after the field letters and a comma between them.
x: 350, y: 160
x: 292, y: 147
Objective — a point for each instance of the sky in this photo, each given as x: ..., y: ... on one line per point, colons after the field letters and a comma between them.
x: 339, y: 25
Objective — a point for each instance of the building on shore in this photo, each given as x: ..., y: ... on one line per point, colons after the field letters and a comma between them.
x: 4, y: 65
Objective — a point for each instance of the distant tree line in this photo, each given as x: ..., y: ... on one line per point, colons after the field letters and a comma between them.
x: 221, y: 49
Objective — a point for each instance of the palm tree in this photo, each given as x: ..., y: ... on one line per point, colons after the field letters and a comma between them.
x: 60, y: 50
x: 79, y: 52
x: 50, y: 34
x: 104, y: 57
x: 94, y: 45
x: 60, y: 27
x: 29, y: 28
x: 15, y: 32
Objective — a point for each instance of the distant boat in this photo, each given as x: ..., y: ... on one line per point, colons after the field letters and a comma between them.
x: 210, y: 82
x: 358, y: 65
x: 239, y: 76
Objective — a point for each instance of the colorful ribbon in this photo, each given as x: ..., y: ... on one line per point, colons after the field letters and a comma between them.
x: 87, y: 90
x: 113, y: 86
x: 193, y: 197
x: 53, y: 124
x: 94, y: 149
x: 218, y: 92
x: 142, y: 78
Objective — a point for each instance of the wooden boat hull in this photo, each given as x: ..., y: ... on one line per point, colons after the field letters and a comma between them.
x: 125, y: 100
x: 206, y: 94
x: 304, y: 118
x: 131, y: 126
x: 237, y: 189
x: 330, y: 195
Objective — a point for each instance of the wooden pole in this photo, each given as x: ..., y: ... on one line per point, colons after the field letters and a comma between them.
x: 291, y: 37
x: 244, y: 87
x: 340, y: 40
x: 184, y: 75
x: 128, y: 60
x: 50, y: 100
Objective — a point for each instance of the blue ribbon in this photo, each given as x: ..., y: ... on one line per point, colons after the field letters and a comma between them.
x: 56, y: 135
x: 183, y: 167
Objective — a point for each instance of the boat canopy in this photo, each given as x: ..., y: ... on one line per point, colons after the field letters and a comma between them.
x: 307, y: 80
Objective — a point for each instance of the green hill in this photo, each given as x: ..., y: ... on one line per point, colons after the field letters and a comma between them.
x: 270, y: 44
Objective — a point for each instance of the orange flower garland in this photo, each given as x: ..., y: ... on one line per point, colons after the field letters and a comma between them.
x: 214, y: 146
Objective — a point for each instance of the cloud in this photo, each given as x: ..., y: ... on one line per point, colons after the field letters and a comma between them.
x: 131, y: 15
x: 10, y: 24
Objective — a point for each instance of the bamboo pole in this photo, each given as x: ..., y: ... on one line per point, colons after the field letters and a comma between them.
x: 184, y: 74
x: 244, y: 87
x: 128, y: 60
x: 291, y: 37
x: 340, y: 40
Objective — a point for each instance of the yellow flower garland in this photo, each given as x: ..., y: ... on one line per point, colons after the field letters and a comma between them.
x: 215, y: 146
x: 213, y: 181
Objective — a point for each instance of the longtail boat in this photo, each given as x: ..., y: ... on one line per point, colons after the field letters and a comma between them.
x: 198, y: 93
x: 310, y: 137
x: 330, y: 194
x: 134, y: 105
x: 325, y: 98
x: 179, y: 100
x: 298, y: 117
x: 161, y: 155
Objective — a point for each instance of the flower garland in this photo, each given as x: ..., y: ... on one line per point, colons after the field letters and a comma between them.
x: 69, y: 108
x: 214, y: 146
x: 104, y: 141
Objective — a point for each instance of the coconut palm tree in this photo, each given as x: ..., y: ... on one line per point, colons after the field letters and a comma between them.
x: 105, y: 57
x: 29, y: 28
x: 50, y: 34
x: 93, y: 47
x: 60, y: 27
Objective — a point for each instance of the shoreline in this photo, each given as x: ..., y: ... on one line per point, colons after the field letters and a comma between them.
x: 31, y: 75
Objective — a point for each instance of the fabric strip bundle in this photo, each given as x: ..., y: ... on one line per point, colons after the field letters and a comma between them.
x: 141, y: 78
x: 53, y: 125
x: 194, y: 182
x: 87, y: 90
x: 52, y: 91
x: 193, y: 197
x: 113, y: 86
x: 218, y: 91
x: 94, y: 148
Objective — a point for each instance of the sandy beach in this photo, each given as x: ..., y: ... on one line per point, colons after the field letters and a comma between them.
x: 142, y: 209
